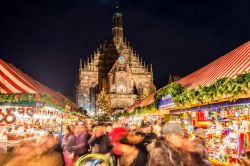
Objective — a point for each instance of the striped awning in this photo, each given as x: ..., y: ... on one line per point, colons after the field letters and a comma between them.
x: 13, y: 80
x: 231, y: 64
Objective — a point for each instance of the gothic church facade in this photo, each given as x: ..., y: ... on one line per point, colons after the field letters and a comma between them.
x: 117, y: 69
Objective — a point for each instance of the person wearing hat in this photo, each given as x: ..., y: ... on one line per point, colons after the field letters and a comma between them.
x: 200, y: 133
x: 200, y: 140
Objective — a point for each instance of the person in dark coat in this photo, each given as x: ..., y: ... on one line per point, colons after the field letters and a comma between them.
x: 81, y: 141
x: 176, y: 149
x: 133, y: 148
x: 100, y: 142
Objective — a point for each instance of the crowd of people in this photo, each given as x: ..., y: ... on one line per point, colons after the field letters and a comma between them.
x: 159, y: 144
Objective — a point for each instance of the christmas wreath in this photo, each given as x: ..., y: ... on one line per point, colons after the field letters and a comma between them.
x: 21, y: 110
x: 30, y: 111
x: 10, y: 118
x: 10, y: 110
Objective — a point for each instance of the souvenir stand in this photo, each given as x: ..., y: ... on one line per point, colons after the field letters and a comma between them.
x: 216, y: 98
x: 228, y: 128
x: 28, y: 109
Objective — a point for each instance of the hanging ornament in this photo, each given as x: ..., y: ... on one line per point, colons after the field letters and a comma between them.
x: 185, y: 116
x: 193, y: 114
x: 37, y: 96
x: 30, y: 111
x: 21, y: 110
x: 17, y: 96
x: 10, y: 110
x: 237, y: 114
x: 2, y: 115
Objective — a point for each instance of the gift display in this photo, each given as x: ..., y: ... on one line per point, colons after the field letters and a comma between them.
x: 24, y: 123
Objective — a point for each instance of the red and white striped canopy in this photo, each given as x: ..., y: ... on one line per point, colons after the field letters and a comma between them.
x: 13, y: 80
x: 231, y: 64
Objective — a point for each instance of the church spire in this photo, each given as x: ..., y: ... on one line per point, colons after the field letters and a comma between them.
x: 117, y: 28
x: 152, y: 73
x: 80, y: 67
x: 117, y: 5
x: 151, y: 68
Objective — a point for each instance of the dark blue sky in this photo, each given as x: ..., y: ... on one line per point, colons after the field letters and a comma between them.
x: 46, y: 38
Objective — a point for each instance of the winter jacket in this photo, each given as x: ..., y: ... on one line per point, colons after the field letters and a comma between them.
x: 69, y: 141
x: 100, y: 144
x: 81, y: 144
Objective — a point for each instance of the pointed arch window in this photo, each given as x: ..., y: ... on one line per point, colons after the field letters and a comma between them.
x: 140, y: 89
x: 121, y: 86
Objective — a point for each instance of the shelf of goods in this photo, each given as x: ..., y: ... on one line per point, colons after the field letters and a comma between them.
x: 26, y: 124
x: 228, y: 135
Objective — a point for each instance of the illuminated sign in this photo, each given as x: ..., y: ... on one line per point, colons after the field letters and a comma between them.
x: 166, y: 102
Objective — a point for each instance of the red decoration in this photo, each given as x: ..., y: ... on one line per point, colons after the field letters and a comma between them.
x: 10, y: 110
x: 21, y: 110
x: 2, y: 116
x: 30, y: 111
x: 17, y: 96
x: 38, y: 96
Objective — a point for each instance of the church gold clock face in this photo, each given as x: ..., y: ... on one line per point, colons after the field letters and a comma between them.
x: 121, y: 59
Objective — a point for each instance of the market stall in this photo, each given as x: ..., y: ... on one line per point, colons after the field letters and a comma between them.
x: 216, y: 98
x: 28, y: 109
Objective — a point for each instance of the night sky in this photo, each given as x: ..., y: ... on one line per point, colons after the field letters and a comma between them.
x: 46, y: 38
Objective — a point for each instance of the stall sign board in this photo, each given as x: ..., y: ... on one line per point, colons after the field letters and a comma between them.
x: 166, y: 102
x: 39, y: 104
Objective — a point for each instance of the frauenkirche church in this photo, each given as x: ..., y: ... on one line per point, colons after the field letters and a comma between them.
x: 115, y: 68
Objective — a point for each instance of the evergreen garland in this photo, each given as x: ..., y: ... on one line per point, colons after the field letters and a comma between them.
x: 29, y: 97
x: 222, y: 88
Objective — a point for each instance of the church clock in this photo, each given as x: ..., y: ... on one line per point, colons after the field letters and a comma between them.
x: 121, y: 59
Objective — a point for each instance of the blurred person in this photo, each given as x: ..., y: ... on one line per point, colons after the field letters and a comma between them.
x: 157, y: 128
x: 50, y: 143
x: 132, y: 149
x: 68, y: 143
x: 200, y: 139
x: 109, y: 128
x: 245, y: 160
x: 174, y: 150
x: 100, y: 142
x: 117, y: 125
x: 81, y: 141
x: 133, y: 128
x: 4, y: 157
x: 31, y: 154
x: 115, y: 135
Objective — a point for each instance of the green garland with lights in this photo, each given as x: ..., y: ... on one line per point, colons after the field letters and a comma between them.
x: 224, y: 88
x: 170, y: 89
x: 14, y: 98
